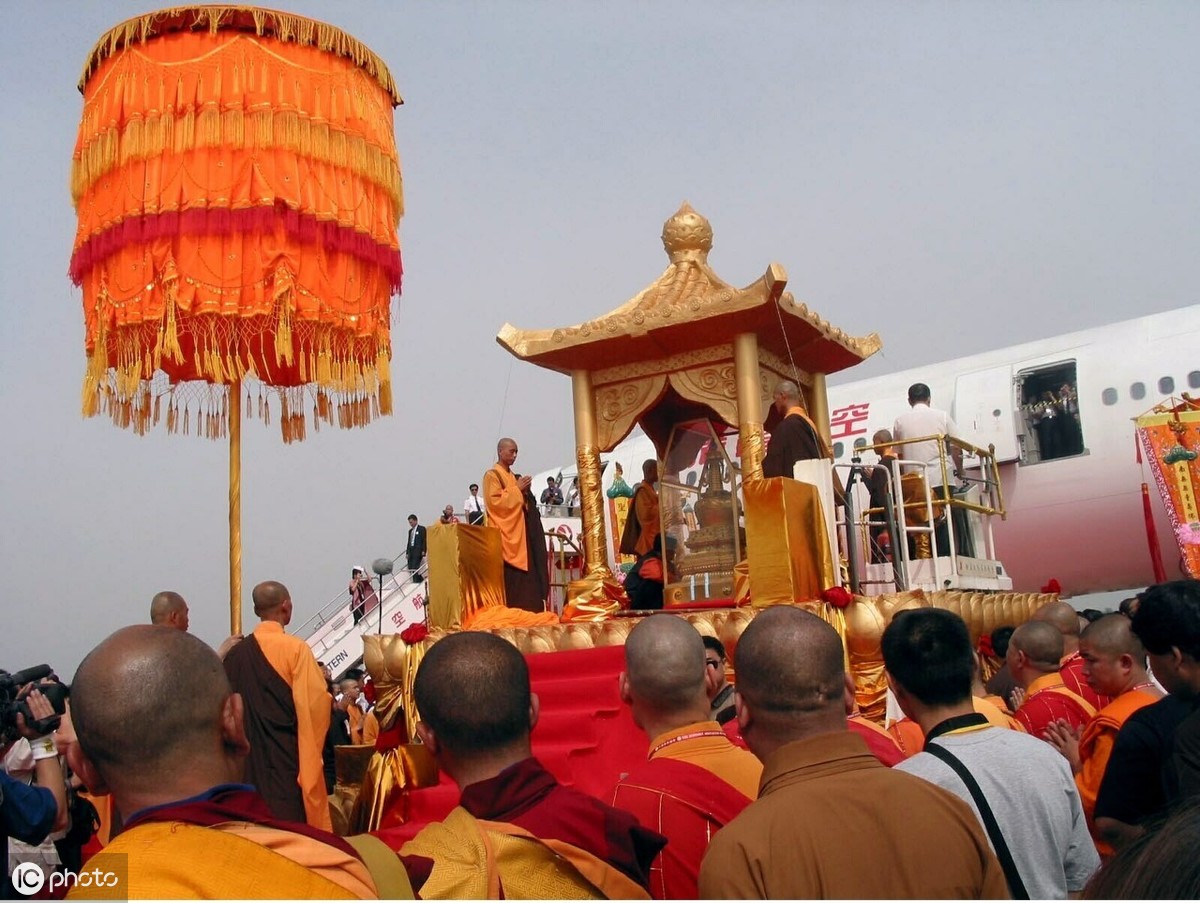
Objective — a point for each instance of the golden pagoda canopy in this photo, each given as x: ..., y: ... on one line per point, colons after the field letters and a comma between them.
x: 690, y: 308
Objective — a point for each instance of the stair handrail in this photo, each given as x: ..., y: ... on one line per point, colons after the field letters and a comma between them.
x: 339, y: 602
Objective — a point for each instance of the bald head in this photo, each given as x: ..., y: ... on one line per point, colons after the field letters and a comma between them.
x: 271, y: 599
x: 1040, y: 642
x: 147, y: 702
x: 168, y: 609
x: 787, y: 395
x: 506, y: 451
x: 472, y: 688
x: 1062, y: 616
x: 1113, y: 635
x: 664, y: 661
x: 791, y: 676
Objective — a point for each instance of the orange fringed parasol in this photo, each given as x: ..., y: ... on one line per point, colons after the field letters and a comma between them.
x: 238, y: 193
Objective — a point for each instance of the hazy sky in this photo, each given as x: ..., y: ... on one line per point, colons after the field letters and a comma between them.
x: 955, y: 176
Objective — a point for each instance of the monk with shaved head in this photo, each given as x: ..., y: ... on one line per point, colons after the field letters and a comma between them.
x: 793, y: 696
x: 1114, y: 662
x: 1066, y: 619
x: 507, y: 498
x: 1034, y: 651
x: 694, y: 780
x: 517, y: 833
x: 168, y: 609
x: 159, y: 728
x: 795, y: 437
x: 288, y: 710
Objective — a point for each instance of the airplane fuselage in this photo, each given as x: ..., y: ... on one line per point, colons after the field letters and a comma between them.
x: 1077, y: 518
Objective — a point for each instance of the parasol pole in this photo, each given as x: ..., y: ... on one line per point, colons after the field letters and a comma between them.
x: 235, y: 507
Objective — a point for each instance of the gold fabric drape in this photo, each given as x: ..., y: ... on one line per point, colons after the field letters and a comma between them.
x: 786, y: 542
x: 382, y: 800
x: 466, y: 572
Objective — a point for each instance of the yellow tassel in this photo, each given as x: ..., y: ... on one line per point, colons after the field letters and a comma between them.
x: 385, y: 399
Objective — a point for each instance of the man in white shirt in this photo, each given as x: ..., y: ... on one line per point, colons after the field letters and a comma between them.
x: 923, y: 420
x: 1039, y: 816
x: 473, y: 506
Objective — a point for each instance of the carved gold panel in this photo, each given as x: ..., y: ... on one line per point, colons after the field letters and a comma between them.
x: 714, y: 386
x: 618, y: 406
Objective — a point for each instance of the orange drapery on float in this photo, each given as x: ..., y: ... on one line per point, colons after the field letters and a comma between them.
x: 238, y: 194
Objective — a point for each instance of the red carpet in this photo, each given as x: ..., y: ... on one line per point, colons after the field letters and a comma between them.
x: 585, y: 736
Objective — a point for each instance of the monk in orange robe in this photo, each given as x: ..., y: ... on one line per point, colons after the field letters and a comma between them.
x: 884, y: 745
x: 694, y: 780
x: 1114, y: 662
x: 157, y: 727
x: 645, y: 506
x: 370, y: 728
x: 507, y: 498
x: 287, y: 711
x: 354, y: 714
x: 1070, y: 666
x: 517, y: 832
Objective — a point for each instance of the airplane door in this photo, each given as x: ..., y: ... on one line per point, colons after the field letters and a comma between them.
x: 983, y: 410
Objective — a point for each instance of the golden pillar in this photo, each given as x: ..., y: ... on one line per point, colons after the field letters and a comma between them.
x: 749, y: 402
x: 819, y: 409
x: 235, y: 507
x: 598, y: 593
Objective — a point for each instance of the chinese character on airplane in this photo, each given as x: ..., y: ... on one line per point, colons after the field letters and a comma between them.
x: 843, y: 422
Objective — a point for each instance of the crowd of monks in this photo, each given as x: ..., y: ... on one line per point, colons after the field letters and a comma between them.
x: 1078, y: 779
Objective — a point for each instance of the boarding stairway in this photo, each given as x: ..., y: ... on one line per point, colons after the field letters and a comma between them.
x: 337, y: 641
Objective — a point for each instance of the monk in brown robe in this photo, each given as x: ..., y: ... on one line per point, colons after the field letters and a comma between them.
x: 516, y: 833
x: 794, y: 438
x: 510, y: 507
x: 157, y: 726
x: 287, y: 711
x: 1114, y: 662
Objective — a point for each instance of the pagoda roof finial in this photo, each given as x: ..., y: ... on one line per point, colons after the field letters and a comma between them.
x: 687, y: 235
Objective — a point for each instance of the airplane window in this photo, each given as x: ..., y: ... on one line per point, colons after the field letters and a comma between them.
x: 1194, y: 379
x: 1166, y: 385
x: 1109, y: 396
x: 1137, y: 391
x: 860, y: 443
x: 838, y: 449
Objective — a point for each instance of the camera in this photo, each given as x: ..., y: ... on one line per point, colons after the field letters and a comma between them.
x: 13, y: 701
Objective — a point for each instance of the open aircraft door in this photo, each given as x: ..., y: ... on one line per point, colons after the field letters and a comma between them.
x: 985, y: 413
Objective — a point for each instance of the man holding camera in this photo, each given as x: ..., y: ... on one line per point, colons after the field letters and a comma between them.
x: 31, y: 812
